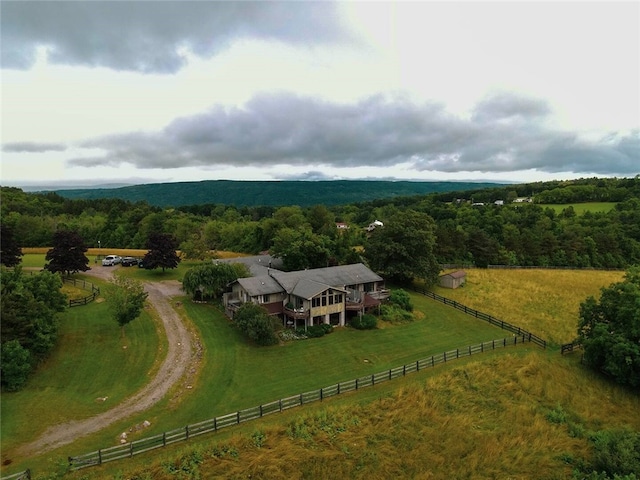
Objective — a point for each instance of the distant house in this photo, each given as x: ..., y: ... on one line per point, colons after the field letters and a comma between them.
x: 523, y: 200
x: 341, y: 226
x: 452, y: 280
x: 373, y: 225
x: 499, y: 202
x: 310, y: 297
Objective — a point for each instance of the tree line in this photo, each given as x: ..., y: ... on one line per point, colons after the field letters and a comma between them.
x: 511, y: 234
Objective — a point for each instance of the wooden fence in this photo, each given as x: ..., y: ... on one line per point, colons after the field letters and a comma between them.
x: 95, y: 291
x: 569, y: 347
x: 213, y: 425
x: 486, y: 317
x: 26, y: 475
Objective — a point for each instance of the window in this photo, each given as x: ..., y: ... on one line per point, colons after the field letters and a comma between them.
x: 265, y: 298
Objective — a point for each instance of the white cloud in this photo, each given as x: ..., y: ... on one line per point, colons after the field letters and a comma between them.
x: 472, y: 89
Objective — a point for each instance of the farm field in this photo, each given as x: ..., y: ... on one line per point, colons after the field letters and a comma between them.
x: 581, y: 208
x: 543, y: 301
x: 234, y: 375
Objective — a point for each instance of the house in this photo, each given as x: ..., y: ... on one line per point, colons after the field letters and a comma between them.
x: 499, y: 202
x: 304, y: 298
x: 342, y: 226
x: 373, y: 225
x: 523, y: 200
x: 452, y: 280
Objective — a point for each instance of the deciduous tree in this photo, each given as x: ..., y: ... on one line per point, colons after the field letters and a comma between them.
x: 10, y: 251
x: 162, y: 252
x: 609, y: 330
x: 126, y: 297
x: 209, y: 280
x: 402, y: 249
x: 68, y: 253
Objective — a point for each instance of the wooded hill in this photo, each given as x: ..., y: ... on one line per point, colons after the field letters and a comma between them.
x: 272, y: 193
x: 514, y: 233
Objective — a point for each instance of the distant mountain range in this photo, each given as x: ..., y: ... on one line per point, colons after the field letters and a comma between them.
x: 270, y: 193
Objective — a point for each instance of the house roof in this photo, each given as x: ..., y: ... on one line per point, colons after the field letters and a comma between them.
x: 257, y: 264
x: 262, y: 285
x: 456, y: 274
x: 309, y: 283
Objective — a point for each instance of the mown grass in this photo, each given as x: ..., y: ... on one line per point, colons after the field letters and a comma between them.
x: 482, y: 417
x: 92, y: 360
x: 581, y: 208
x: 544, y: 302
x: 234, y: 375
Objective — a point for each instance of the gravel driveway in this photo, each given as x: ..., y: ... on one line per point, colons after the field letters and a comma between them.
x: 176, y: 366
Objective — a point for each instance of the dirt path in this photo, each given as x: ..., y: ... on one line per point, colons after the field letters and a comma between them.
x: 173, y: 369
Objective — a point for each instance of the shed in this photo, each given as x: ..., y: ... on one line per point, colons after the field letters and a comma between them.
x: 453, y: 279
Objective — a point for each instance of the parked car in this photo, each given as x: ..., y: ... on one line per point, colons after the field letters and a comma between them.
x: 129, y: 261
x: 111, y: 260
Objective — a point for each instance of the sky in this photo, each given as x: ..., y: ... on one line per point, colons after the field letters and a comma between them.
x: 131, y: 92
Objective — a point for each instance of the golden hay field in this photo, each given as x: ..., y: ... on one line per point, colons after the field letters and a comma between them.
x: 543, y: 301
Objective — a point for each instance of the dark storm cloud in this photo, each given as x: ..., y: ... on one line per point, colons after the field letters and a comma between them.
x: 504, y: 133
x: 145, y: 36
x: 33, y: 147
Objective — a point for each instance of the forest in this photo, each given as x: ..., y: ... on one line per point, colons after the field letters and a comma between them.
x: 469, y: 227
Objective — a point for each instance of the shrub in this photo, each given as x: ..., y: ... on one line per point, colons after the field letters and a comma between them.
x: 394, y: 314
x: 254, y: 322
x: 315, y: 331
x: 16, y: 365
x: 401, y: 299
x: 364, y: 322
x: 617, y: 452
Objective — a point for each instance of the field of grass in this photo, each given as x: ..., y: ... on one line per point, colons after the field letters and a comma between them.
x: 92, y: 360
x: 581, y: 208
x: 544, y: 302
x: 481, y: 399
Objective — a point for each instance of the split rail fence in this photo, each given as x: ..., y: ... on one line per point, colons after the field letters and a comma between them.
x: 95, y: 291
x: 213, y: 425
x: 486, y: 317
x: 26, y: 475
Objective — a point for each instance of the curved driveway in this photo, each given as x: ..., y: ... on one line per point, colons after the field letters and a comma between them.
x: 174, y: 367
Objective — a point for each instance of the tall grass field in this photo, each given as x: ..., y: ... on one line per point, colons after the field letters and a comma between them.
x: 482, y: 417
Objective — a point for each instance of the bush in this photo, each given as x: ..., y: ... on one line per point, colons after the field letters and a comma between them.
x: 617, y: 452
x: 394, y: 314
x: 401, y: 299
x: 16, y: 365
x: 254, y: 322
x: 315, y: 331
x: 364, y: 322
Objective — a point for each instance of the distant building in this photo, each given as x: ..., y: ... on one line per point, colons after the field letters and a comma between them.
x: 453, y: 280
x: 375, y: 224
x: 523, y: 200
x: 341, y: 226
x: 499, y: 202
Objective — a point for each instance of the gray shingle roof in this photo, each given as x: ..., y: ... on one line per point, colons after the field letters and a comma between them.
x: 308, y: 283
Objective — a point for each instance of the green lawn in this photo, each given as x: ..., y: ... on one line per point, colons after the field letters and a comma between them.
x: 234, y: 375
x: 90, y: 361
x: 581, y: 208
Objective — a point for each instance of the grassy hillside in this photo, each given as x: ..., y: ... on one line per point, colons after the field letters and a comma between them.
x: 521, y: 412
x: 276, y: 193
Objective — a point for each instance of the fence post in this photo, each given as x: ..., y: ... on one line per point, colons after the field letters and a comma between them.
x: 433, y: 361
x: 321, y: 395
x: 186, y: 429
x: 164, y: 436
x: 404, y: 370
x: 389, y: 374
x: 238, y: 416
x: 418, y: 365
x: 300, y: 399
x: 280, y: 402
x: 99, y: 457
x: 445, y: 357
x: 261, y: 410
x: 356, y: 383
x: 130, y: 449
x: 457, y: 353
x: 373, y: 379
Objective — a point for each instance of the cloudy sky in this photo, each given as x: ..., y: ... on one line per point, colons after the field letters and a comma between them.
x: 160, y: 91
